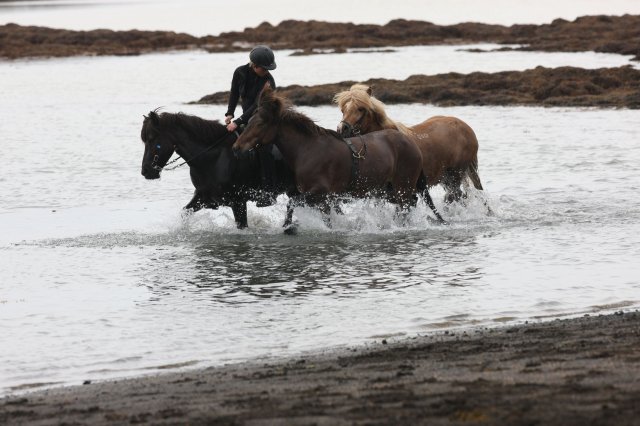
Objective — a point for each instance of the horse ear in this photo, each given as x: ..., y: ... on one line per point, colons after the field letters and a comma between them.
x: 268, y: 102
x: 267, y: 91
x: 264, y: 95
x: 154, y: 117
x: 370, y: 90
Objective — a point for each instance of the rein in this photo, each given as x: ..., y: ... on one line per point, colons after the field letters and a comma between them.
x: 154, y: 163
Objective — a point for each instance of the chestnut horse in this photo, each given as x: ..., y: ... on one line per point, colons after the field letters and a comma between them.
x: 384, y: 164
x: 448, y: 145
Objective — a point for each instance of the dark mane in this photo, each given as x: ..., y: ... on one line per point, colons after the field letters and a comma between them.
x: 304, y: 124
x: 196, y: 127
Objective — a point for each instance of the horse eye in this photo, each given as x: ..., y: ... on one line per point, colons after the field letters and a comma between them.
x: 158, y: 146
x: 361, y: 109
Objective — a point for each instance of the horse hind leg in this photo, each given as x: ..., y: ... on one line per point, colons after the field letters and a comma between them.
x: 432, y: 206
x: 472, y: 174
x: 474, y: 177
x: 451, y: 183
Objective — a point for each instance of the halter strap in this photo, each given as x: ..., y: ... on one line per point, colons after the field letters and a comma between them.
x: 355, y: 156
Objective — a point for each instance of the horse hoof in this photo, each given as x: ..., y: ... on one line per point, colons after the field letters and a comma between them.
x: 437, y: 221
x: 291, y: 230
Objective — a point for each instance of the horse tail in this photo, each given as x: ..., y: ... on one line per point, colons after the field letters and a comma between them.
x: 472, y: 173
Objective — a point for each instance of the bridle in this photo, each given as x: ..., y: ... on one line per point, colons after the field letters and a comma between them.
x: 156, y: 157
x: 354, y: 129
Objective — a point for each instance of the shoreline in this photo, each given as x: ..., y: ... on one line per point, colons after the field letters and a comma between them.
x: 598, y: 33
x: 551, y: 87
x: 582, y: 370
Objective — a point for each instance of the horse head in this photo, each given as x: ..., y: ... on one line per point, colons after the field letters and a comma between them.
x: 262, y: 127
x: 360, y: 112
x: 158, y: 146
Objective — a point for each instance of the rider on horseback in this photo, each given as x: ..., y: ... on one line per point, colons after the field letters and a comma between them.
x: 247, y: 83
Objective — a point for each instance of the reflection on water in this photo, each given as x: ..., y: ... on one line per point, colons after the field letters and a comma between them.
x: 232, y: 270
x: 192, y: 294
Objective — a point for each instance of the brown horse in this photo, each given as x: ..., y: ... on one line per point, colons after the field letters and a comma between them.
x: 384, y: 164
x: 448, y: 145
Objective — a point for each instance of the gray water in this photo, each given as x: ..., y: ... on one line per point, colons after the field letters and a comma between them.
x: 101, y: 276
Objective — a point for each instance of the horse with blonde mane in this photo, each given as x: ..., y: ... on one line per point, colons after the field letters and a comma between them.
x: 448, y: 145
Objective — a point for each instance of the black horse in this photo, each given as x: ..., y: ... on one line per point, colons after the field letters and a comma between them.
x: 219, y: 177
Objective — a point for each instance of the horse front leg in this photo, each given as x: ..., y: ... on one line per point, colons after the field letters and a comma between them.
x: 325, y: 208
x: 321, y: 202
x: 195, y: 204
x: 404, y: 201
x: 239, y: 209
x: 337, y: 206
x: 289, y: 227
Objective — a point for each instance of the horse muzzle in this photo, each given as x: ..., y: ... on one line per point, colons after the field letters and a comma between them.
x: 346, y: 130
x: 150, y: 173
x: 242, y: 153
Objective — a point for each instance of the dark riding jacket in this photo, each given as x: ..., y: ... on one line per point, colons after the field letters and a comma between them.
x: 246, y: 86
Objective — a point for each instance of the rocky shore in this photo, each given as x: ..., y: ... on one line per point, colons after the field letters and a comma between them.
x: 565, y: 86
x: 612, y: 34
x: 562, y: 372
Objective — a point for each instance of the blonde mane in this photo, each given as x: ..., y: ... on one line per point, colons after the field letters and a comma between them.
x: 359, y: 95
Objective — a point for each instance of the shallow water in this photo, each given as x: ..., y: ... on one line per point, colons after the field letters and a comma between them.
x: 101, y: 276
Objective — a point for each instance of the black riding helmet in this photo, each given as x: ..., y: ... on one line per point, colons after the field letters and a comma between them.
x: 263, y: 57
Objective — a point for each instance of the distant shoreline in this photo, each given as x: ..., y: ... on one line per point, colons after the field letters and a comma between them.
x: 564, y: 86
x: 562, y: 372
x: 610, y: 34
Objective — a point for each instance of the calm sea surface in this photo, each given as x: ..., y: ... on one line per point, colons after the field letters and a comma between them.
x: 101, y: 277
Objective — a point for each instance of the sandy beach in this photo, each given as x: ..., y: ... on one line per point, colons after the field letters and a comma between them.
x: 564, y: 372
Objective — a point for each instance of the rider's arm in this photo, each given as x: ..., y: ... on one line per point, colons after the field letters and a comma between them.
x: 235, y: 93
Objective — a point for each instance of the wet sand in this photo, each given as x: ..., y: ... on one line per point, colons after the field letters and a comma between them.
x: 561, y: 372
